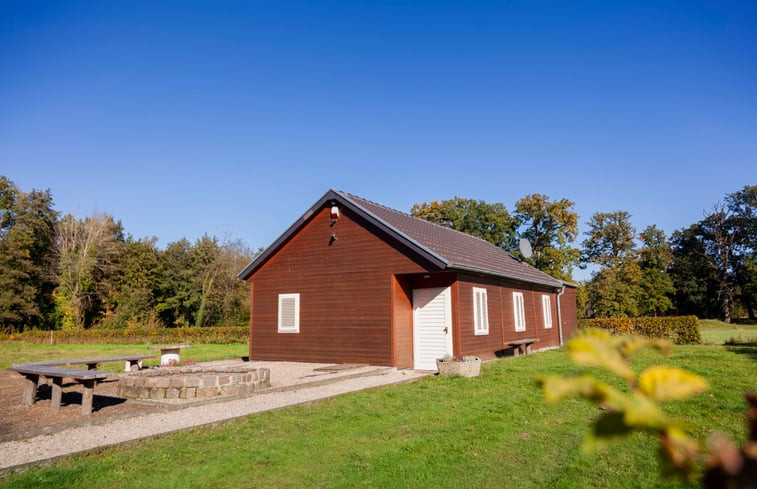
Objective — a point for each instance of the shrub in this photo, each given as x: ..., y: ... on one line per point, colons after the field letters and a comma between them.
x: 683, y: 330
x: 222, y: 335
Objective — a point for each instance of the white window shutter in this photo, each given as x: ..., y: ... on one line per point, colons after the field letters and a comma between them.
x: 519, y: 312
x: 546, y: 305
x: 480, y: 312
x: 289, y: 313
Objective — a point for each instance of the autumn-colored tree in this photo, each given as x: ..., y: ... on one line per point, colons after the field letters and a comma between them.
x: 551, y: 227
x: 490, y: 222
x: 87, y: 252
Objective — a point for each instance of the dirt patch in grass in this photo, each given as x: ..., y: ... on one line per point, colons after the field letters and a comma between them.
x: 19, y: 421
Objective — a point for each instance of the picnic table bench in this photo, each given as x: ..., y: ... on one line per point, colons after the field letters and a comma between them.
x: 519, y: 344
x: 169, y: 354
x: 131, y: 362
x: 33, y: 372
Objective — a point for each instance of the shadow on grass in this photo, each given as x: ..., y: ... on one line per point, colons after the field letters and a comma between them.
x: 743, y: 347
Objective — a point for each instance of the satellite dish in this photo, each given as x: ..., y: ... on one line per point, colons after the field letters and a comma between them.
x: 525, y: 248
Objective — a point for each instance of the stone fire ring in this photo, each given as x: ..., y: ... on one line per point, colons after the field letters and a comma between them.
x: 192, y: 382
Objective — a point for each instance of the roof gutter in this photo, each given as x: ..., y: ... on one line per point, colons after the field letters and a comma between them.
x: 559, y: 314
x: 468, y: 268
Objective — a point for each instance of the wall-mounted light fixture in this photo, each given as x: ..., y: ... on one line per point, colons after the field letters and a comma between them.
x: 334, y: 214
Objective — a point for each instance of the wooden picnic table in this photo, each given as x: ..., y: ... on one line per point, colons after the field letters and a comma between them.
x: 32, y: 373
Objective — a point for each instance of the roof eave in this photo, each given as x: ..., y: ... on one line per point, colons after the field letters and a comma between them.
x: 518, y: 278
x: 335, y: 195
x: 434, y: 258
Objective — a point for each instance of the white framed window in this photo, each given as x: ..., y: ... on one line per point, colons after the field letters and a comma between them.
x: 546, y: 306
x: 289, y: 313
x: 519, y: 311
x: 480, y: 312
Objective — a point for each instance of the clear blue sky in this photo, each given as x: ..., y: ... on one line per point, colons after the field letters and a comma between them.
x: 232, y: 118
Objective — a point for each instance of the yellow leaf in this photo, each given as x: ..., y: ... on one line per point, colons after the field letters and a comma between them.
x: 643, y: 413
x: 596, y: 348
x: 557, y: 387
x: 667, y: 383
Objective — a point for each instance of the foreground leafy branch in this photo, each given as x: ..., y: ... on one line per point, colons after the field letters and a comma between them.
x: 636, y: 410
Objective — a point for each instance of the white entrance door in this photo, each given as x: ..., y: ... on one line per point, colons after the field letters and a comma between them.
x: 432, y: 326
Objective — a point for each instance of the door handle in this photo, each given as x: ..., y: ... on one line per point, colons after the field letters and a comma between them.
x: 445, y: 330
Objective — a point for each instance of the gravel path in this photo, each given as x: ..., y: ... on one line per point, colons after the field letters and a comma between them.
x: 15, y: 455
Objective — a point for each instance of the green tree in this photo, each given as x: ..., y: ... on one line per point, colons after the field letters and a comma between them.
x: 614, y: 290
x: 177, y: 300
x: 693, y: 274
x: 714, y: 259
x: 655, y: 285
x: 136, y: 284
x: 27, y: 231
x: 207, y: 262
x: 490, y: 222
x: 551, y: 228
x: 743, y: 208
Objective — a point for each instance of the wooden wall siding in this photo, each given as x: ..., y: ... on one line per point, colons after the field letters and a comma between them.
x: 345, y: 288
x: 569, y: 313
x: 402, y: 319
x: 501, y: 316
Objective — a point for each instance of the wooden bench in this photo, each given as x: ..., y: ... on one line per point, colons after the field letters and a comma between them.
x: 519, y: 344
x: 169, y: 354
x: 32, y: 374
x: 131, y: 362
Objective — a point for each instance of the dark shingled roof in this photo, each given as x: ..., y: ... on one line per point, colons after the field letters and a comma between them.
x: 446, y: 247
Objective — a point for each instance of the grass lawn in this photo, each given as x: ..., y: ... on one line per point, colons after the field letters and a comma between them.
x: 439, y: 432
x: 17, y: 352
x: 717, y: 332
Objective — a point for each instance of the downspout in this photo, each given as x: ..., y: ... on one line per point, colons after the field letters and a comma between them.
x: 559, y: 314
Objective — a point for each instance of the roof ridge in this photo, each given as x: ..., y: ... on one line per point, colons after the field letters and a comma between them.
x: 446, y: 228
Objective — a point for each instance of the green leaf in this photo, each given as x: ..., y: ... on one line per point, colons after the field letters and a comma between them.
x: 667, y: 383
x: 608, y: 427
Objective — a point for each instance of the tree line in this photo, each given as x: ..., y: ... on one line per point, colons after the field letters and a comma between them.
x: 69, y: 272
x: 708, y: 269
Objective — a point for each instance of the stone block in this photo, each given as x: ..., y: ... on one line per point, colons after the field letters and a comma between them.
x: 128, y: 381
x: 177, y: 382
x: 162, y: 382
x: 144, y: 393
x: 209, y: 380
x: 139, y: 382
x: 224, y: 379
x: 206, y: 392
x: 172, y: 392
x: 157, y: 393
x: 191, y: 382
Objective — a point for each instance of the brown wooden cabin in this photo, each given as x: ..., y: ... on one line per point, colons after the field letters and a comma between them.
x: 378, y: 286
